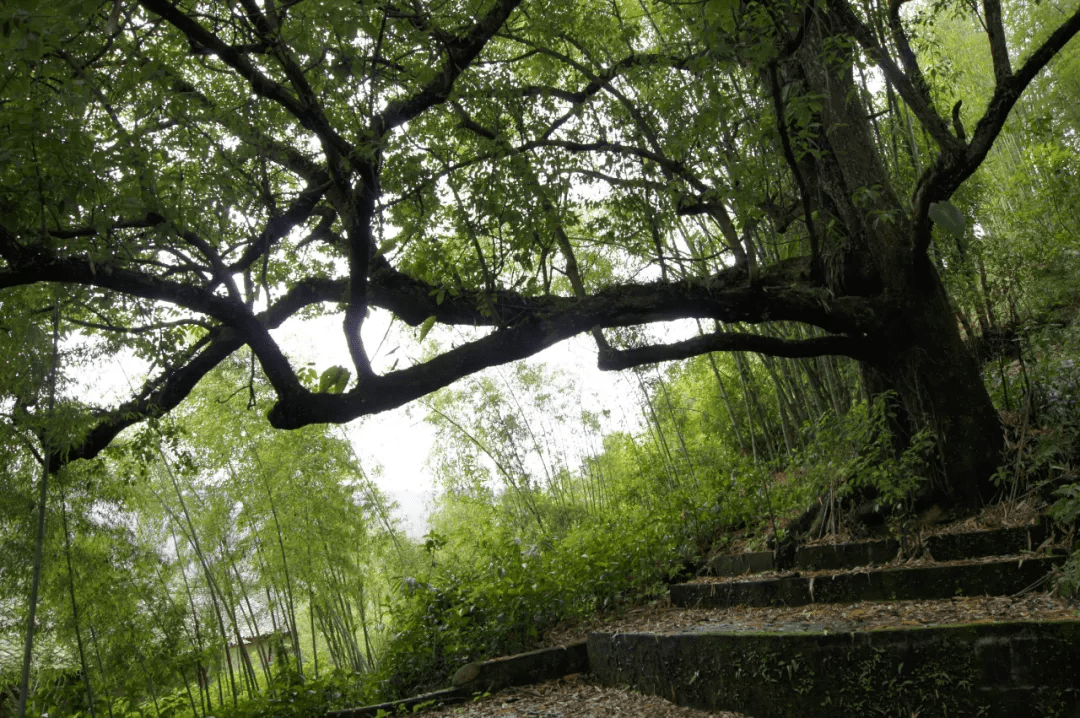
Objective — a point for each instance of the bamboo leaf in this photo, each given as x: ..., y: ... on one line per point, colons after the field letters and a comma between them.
x: 426, y: 327
x: 334, y: 380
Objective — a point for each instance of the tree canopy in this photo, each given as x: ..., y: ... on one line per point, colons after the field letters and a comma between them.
x: 184, y: 178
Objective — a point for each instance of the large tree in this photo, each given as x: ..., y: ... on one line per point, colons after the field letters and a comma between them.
x: 190, y: 176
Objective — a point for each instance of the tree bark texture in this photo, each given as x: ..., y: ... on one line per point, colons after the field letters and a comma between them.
x: 873, y: 246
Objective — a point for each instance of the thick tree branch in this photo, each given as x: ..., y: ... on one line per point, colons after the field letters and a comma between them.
x: 529, y: 325
x: 913, y: 89
x: 33, y: 267
x: 619, y: 359
x: 40, y: 267
x: 157, y: 398
x: 356, y: 214
x: 782, y: 291
x: 461, y: 51
x: 308, y: 113
x: 526, y: 325
x: 951, y: 169
x: 999, y: 51
x: 173, y: 384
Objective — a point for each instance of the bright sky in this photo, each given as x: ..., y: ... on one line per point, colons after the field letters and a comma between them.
x: 400, y: 440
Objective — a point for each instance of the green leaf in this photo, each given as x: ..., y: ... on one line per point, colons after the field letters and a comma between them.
x: 724, y: 12
x: 34, y: 47
x: 426, y: 327
x: 387, y: 246
x: 334, y: 380
x: 949, y: 217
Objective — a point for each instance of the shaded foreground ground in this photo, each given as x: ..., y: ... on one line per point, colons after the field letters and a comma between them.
x: 1013, y: 604
x: 831, y: 618
x: 574, y: 696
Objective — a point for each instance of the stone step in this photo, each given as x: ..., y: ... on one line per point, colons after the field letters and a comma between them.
x: 943, y: 547
x: 487, y: 676
x: 1012, y: 670
x: 995, y: 578
x: 743, y: 563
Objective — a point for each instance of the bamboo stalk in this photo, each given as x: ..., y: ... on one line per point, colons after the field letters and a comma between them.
x: 39, y: 543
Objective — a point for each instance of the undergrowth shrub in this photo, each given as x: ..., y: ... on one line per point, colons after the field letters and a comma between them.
x: 290, y: 696
x: 285, y: 695
x: 853, y: 454
x: 1042, y: 426
x: 500, y: 596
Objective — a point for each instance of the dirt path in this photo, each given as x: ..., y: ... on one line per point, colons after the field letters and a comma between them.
x: 571, y: 697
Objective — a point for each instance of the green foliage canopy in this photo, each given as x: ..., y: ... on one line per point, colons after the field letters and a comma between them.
x: 196, y: 174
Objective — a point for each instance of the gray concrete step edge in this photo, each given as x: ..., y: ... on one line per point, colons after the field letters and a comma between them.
x: 1009, y: 670
x: 945, y: 547
x: 490, y: 676
x: 996, y: 578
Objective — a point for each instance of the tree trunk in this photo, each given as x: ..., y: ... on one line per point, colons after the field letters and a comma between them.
x: 940, y: 386
x: 867, y: 242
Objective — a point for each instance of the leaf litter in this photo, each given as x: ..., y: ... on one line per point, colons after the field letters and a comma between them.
x: 576, y: 696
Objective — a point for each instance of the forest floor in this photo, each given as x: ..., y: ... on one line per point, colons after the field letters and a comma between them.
x: 576, y: 696
x: 830, y: 618
x: 580, y: 697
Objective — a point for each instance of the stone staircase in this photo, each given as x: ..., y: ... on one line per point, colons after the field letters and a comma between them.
x: 816, y: 666
x: 827, y: 573
x: 1015, y: 668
